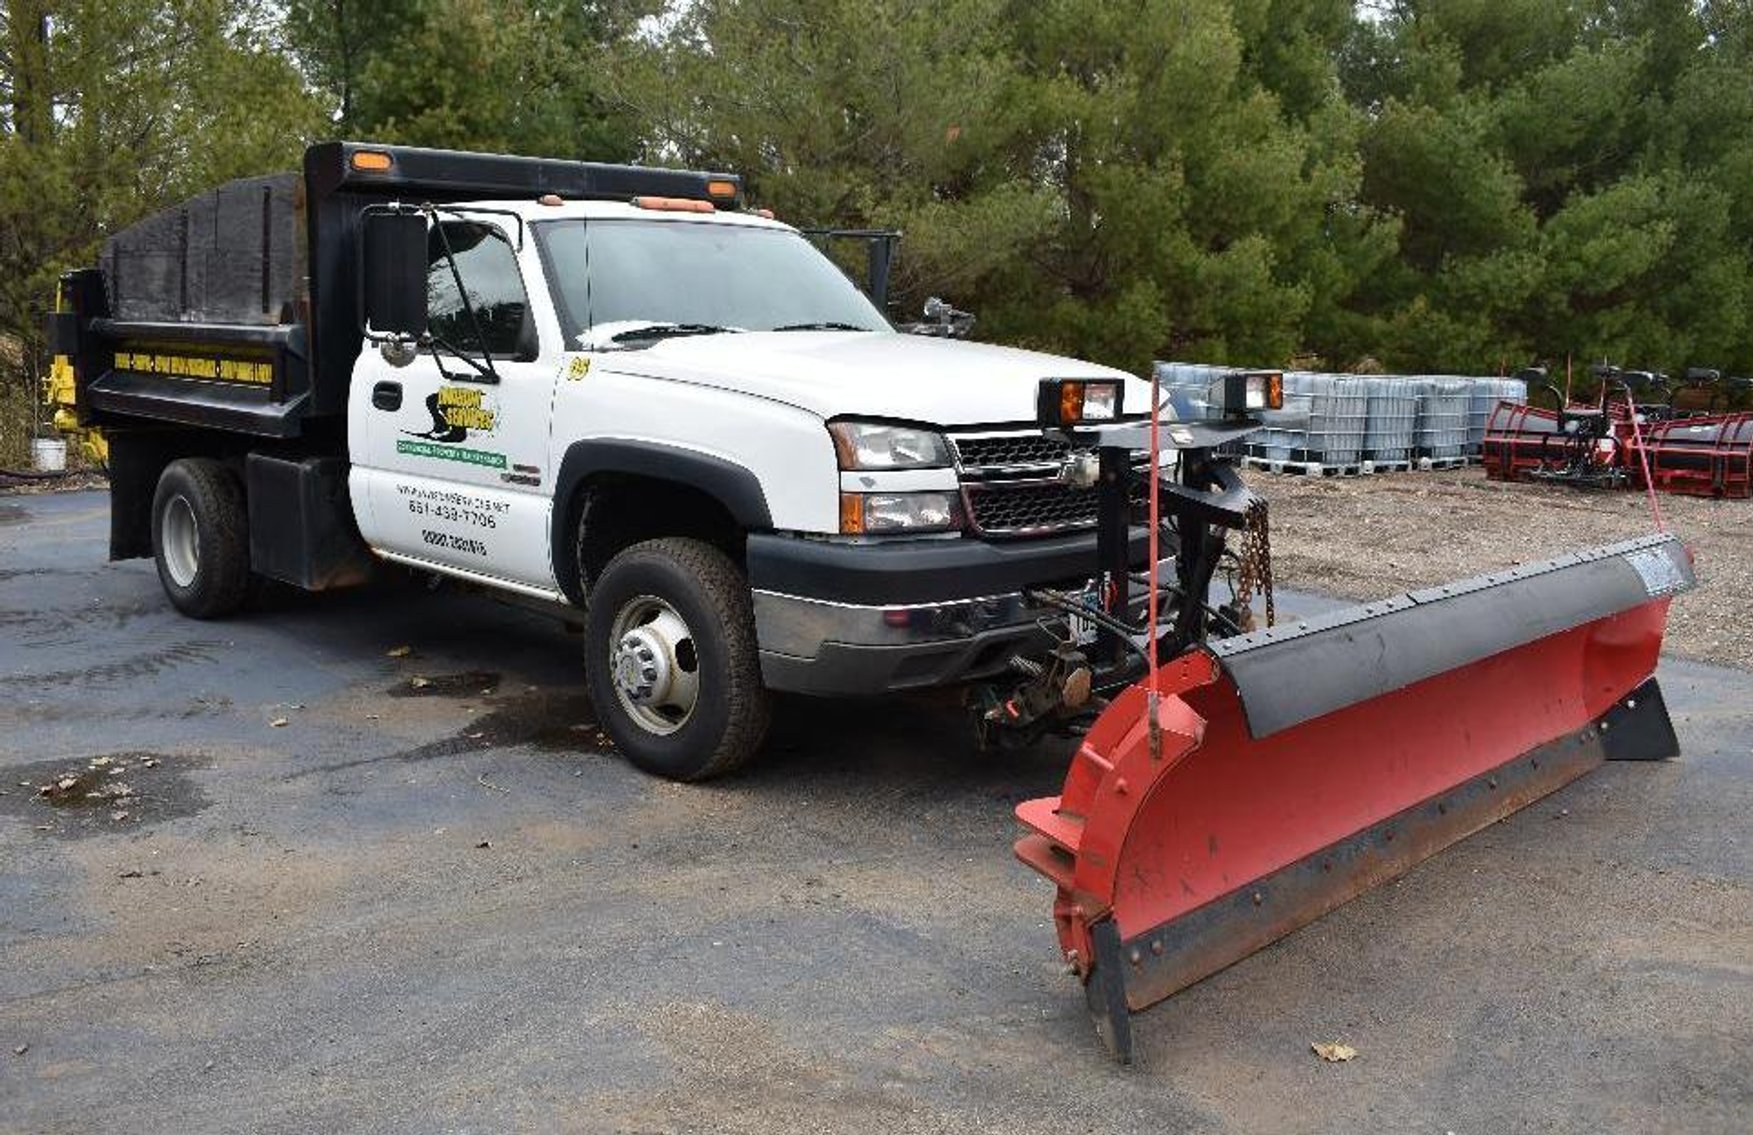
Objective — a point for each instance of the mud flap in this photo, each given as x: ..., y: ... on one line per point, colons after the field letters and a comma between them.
x: 1298, y: 768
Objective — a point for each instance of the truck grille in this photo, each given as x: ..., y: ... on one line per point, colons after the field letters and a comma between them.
x: 1009, y: 510
x: 988, y: 453
x: 1009, y: 482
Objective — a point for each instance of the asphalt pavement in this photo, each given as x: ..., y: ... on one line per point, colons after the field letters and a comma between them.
x: 349, y: 886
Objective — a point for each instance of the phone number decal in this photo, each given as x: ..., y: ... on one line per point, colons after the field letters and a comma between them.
x: 454, y: 543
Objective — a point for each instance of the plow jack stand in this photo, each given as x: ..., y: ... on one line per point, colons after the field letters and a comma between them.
x: 1301, y: 766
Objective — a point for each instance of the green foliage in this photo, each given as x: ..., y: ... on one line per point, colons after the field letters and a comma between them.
x: 497, y: 75
x: 116, y: 108
x: 1437, y: 184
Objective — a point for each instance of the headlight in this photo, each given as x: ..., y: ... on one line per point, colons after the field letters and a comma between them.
x: 862, y: 513
x: 1069, y: 401
x: 872, y: 445
x: 1241, y: 392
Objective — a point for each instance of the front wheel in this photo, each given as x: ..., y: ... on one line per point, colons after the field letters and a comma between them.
x: 671, y: 661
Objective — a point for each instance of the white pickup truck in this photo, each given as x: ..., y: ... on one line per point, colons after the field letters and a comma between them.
x: 609, y: 389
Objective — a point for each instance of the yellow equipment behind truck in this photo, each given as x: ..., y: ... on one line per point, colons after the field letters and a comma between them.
x: 60, y: 395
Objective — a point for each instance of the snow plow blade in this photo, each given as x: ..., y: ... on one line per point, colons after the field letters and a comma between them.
x: 1298, y: 767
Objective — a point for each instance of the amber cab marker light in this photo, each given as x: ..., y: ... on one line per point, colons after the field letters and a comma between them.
x: 550, y: 199
x: 371, y: 161
x: 675, y: 205
x: 722, y: 189
x: 851, y: 514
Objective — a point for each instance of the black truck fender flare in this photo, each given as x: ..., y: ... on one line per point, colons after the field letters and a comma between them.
x: 730, y: 484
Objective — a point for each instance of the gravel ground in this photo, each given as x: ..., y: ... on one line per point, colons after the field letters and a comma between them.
x: 1368, y: 537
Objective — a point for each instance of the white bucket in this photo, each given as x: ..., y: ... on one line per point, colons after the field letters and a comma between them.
x: 48, y: 454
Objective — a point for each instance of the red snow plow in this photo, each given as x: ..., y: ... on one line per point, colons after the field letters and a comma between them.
x: 1624, y: 441
x: 1250, y: 780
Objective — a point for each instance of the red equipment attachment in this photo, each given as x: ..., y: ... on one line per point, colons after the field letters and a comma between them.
x: 1701, y: 455
x: 1292, y: 769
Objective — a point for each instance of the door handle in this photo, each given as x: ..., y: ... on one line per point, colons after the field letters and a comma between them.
x: 387, y: 396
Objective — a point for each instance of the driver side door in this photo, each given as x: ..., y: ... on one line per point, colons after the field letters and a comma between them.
x: 456, y: 471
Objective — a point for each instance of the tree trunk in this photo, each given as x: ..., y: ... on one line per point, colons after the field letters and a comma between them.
x: 33, y: 101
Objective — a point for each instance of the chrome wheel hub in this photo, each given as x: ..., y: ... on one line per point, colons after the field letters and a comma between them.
x: 181, y: 540
x: 653, y: 664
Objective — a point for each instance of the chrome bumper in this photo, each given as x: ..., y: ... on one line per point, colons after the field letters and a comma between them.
x: 818, y: 646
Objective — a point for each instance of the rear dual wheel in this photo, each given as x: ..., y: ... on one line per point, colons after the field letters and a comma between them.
x: 201, y: 537
x: 671, y: 661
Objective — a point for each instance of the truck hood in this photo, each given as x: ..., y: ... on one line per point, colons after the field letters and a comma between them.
x: 944, y: 382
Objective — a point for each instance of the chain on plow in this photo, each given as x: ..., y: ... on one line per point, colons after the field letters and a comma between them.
x: 1255, y: 558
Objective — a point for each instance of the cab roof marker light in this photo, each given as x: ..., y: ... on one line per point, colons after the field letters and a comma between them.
x: 674, y: 205
x: 722, y: 189
x: 371, y: 161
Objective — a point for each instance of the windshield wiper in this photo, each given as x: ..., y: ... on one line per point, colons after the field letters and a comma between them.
x: 826, y: 325
x: 667, y: 330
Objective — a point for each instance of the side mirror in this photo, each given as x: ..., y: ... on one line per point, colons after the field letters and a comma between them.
x: 394, y: 251
x: 944, y: 320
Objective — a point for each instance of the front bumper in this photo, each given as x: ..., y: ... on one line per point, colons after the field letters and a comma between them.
x: 855, y: 619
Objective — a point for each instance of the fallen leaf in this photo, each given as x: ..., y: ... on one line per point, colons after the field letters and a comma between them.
x: 419, y: 682
x: 21, y: 1050
x: 482, y: 845
x: 1334, y: 1052
x: 66, y: 783
x: 399, y: 651
x: 277, y: 723
x: 99, y: 762
x: 118, y: 816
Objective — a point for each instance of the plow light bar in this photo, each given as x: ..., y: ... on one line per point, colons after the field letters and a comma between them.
x: 1244, y: 392
x: 1069, y: 401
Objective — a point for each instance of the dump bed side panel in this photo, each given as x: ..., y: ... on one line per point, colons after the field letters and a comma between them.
x: 233, y: 255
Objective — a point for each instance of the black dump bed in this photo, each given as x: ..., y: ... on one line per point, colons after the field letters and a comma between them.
x: 239, y: 309
x: 234, y: 255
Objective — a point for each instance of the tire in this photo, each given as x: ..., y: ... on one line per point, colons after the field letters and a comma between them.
x: 201, y: 538
x: 631, y: 633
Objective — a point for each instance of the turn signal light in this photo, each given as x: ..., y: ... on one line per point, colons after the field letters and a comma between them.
x: 722, y: 189
x: 851, y: 513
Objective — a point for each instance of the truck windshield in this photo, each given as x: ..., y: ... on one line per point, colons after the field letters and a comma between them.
x: 620, y: 281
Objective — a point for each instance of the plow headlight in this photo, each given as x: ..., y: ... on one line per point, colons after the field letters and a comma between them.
x: 873, y: 513
x: 1068, y: 401
x: 1243, y: 392
x: 873, y: 445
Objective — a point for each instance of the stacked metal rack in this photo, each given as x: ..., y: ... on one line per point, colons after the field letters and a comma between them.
x: 1321, y: 429
x: 1486, y: 396
x: 1439, y: 432
x: 1393, y: 412
x: 1345, y: 424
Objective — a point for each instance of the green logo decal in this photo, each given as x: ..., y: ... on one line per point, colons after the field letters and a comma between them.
x: 451, y: 453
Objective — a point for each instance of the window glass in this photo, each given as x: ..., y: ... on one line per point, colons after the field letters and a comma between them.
x: 488, y: 267
x: 612, y: 273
